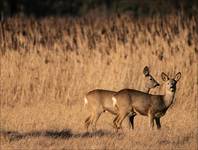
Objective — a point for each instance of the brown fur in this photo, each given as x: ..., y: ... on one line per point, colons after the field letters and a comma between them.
x: 100, y: 100
x: 138, y: 102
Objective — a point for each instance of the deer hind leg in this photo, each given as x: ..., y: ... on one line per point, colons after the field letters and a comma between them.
x: 95, y: 119
x: 87, y: 122
x: 120, y: 119
x: 157, y: 120
x: 115, y: 121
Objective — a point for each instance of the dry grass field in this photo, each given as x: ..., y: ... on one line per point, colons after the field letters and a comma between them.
x: 48, y: 65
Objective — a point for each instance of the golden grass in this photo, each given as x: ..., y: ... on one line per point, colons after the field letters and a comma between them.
x: 48, y: 65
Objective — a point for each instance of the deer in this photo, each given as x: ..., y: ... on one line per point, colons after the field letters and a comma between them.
x: 99, y: 101
x: 138, y: 102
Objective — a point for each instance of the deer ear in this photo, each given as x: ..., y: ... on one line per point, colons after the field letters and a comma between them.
x: 164, y: 76
x: 178, y: 76
x: 146, y: 71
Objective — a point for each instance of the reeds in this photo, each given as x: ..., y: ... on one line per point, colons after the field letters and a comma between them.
x: 55, y: 61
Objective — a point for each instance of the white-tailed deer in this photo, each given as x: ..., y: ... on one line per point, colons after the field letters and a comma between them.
x: 137, y: 102
x: 99, y: 101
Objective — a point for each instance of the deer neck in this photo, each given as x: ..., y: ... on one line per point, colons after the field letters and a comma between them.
x: 146, y: 90
x: 168, y: 98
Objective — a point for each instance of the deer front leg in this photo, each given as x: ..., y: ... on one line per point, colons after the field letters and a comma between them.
x: 157, y: 120
x: 151, y: 121
x: 131, y: 122
x: 131, y: 119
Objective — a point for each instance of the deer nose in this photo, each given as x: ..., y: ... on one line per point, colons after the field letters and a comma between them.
x: 157, y: 84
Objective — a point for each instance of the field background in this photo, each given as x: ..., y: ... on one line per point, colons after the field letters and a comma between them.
x: 47, y: 66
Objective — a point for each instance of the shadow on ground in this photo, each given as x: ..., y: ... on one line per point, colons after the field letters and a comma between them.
x: 64, y: 134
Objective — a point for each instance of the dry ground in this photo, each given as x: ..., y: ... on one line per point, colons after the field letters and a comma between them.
x: 47, y: 66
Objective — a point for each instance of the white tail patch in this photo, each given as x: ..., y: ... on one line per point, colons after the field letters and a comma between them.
x: 114, y: 101
x: 85, y: 101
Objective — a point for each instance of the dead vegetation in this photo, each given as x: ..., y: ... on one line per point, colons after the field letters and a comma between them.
x: 47, y: 65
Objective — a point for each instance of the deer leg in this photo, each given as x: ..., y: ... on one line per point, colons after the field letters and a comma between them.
x: 131, y: 119
x: 115, y: 120
x: 87, y: 122
x: 120, y: 119
x: 151, y: 121
x: 95, y: 119
x: 157, y: 120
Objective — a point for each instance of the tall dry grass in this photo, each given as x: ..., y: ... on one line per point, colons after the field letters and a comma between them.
x: 47, y: 65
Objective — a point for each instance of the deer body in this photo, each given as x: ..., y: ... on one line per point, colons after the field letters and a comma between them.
x: 144, y: 103
x: 154, y: 106
x: 99, y: 101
